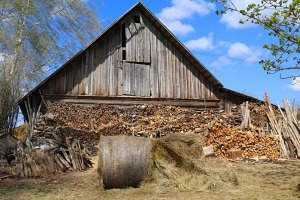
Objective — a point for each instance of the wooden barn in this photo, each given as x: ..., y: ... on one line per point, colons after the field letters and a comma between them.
x: 136, y: 60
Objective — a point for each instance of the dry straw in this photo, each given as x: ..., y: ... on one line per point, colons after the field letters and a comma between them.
x: 172, y: 162
x: 178, y: 163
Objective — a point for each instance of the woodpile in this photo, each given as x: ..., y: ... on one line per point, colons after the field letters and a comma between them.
x: 253, y: 143
x: 286, y: 128
x: 50, y: 156
x: 47, y: 148
x: 156, y: 121
x: 147, y: 120
x: 67, y: 134
x: 5, y: 170
x: 222, y: 131
x: 7, y: 144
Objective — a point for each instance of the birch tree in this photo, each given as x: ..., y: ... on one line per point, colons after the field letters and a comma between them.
x: 37, y: 36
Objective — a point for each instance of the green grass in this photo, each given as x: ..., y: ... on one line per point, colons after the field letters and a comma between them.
x: 36, y: 190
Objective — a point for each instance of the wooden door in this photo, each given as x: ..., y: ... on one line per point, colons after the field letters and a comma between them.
x: 136, y: 79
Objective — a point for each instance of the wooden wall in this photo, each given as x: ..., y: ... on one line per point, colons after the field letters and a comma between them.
x: 146, y: 64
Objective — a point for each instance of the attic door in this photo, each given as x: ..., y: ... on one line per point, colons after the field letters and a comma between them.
x: 137, y: 35
x: 136, y: 79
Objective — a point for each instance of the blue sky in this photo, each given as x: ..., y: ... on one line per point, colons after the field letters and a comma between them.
x: 231, y: 51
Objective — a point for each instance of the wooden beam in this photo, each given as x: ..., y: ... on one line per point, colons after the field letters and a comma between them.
x: 129, y: 101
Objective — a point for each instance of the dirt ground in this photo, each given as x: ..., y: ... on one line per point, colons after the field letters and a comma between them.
x: 255, y: 181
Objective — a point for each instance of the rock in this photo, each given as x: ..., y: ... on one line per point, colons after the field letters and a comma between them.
x: 208, y: 151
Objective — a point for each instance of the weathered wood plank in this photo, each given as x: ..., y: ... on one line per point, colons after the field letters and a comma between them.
x: 191, y: 103
x: 190, y: 84
x: 95, y: 69
x: 107, y: 66
x: 169, y: 70
x: 130, y: 39
x: 91, y: 82
x: 181, y: 71
x: 110, y: 66
x: 185, y: 78
x: 82, y: 72
x: 193, y: 80
x: 148, y: 40
x: 144, y: 82
x: 174, y: 81
x: 126, y: 79
x: 177, y: 73
x: 137, y: 78
x: 139, y: 37
x: 198, y: 83
x: 118, y: 46
x: 132, y: 79
x: 80, y: 77
x: 119, y: 63
x: 103, y: 69
x: 99, y: 66
x: 154, y: 76
x: 164, y: 64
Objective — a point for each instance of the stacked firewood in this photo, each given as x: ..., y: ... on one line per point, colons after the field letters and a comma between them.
x: 49, y: 157
x: 49, y: 149
x: 49, y: 129
x: 63, y: 138
x: 138, y: 120
x: 252, y: 142
x: 87, y: 123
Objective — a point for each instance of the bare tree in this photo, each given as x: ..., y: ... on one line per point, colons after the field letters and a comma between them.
x: 35, y: 37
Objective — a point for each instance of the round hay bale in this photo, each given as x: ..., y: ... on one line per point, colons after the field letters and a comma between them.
x: 124, y: 161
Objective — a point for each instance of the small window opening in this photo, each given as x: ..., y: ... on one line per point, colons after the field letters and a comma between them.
x: 137, y: 19
x: 123, y: 35
x: 123, y: 54
x: 123, y: 42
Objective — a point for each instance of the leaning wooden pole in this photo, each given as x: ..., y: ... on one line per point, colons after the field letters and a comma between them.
x: 277, y: 130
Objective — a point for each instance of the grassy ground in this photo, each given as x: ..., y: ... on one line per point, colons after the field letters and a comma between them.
x: 255, y: 181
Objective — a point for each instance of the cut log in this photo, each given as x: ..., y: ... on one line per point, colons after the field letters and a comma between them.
x: 234, y: 154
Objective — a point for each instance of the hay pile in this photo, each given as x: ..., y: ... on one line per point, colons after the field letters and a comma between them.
x: 177, y: 162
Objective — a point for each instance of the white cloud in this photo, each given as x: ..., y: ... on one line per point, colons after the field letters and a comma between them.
x: 177, y: 27
x: 241, y: 51
x: 222, y: 61
x: 183, y: 9
x: 295, y: 85
x: 203, y: 43
x: 232, y: 19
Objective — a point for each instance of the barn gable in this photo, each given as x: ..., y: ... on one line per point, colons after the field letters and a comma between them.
x: 136, y: 60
